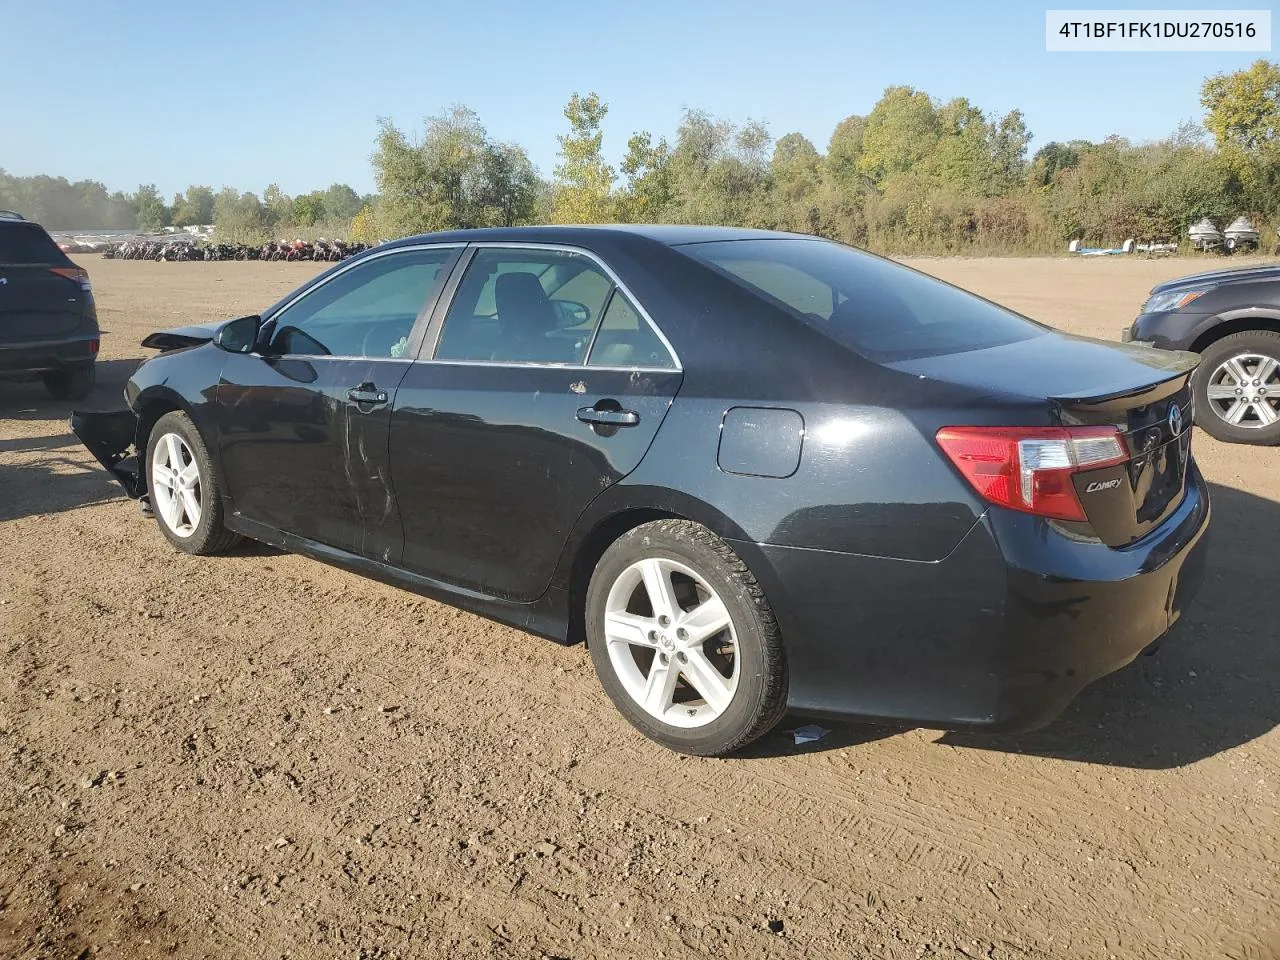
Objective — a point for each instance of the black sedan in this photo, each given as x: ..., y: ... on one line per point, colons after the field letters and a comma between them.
x: 1232, y: 318
x: 754, y: 471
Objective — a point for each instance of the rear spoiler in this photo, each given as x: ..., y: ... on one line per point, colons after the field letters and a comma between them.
x: 1175, y: 366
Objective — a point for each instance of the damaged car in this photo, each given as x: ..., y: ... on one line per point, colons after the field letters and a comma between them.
x: 753, y: 471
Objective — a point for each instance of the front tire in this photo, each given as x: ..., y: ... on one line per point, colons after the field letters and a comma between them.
x: 74, y: 384
x: 183, y: 489
x: 684, y: 641
x: 1237, y: 388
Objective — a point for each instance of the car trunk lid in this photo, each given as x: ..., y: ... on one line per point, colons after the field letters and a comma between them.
x: 1145, y: 394
x: 1126, y: 501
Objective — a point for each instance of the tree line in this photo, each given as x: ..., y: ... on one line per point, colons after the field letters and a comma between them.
x: 912, y: 175
x: 86, y: 204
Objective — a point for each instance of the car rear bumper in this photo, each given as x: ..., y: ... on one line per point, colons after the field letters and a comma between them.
x: 42, y: 356
x: 1002, y: 634
x: 1079, y: 611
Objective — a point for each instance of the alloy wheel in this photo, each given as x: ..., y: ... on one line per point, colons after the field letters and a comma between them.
x: 671, y: 642
x: 175, y: 481
x: 1244, y: 391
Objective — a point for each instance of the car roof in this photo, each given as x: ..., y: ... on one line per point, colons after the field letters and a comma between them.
x: 671, y: 235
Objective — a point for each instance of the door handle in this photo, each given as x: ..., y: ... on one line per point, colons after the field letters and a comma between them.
x: 608, y: 417
x: 367, y: 393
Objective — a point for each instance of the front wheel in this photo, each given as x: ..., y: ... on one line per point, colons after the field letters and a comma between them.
x: 1237, y: 388
x: 184, y: 493
x: 684, y: 640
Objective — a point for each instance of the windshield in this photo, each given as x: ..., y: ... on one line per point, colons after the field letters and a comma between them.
x: 879, y: 308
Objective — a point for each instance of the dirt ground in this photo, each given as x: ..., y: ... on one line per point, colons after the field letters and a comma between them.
x: 255, y: 755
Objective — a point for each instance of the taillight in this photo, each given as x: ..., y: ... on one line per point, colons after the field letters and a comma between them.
x: 1030, y: 468
x: 79, y: 274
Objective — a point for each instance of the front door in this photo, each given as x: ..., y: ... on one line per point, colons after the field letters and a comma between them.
x: 546, y: 385
x: 303, y: 425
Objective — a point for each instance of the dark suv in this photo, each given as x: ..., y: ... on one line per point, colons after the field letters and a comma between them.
x: 48, y: 322
x: 1231, y: 318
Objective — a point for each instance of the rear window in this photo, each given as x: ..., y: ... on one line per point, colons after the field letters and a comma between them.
x: 879, y: 308
x: 28, y: 243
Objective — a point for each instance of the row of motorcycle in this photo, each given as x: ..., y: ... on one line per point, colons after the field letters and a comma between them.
x: 178, y: 251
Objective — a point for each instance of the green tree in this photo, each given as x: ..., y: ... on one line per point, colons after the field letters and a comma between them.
x: 195, y: 207
x: 308, y: 209
x: 796, y: 170
x: 720, y: 172
x: 240, y: 217
x: 151, y: 212
x: 455, y: 178
x: 902, y: 129
x: 341, y: 203
x: 962, y: 159
x: 1244, y: 107
x: 1053, y: 157
x: 844, y: 151
x: 1009, y: 141
x: 509, y: 185
x: 648, y: 193
x: 277, y: 206
x: 583, y: 180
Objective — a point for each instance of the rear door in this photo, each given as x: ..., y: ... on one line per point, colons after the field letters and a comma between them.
x: 36, y: 303
x: 546, y: 382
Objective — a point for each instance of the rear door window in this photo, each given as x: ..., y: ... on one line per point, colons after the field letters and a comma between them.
x: 877, y: 307
x: 22, y: 243
x: 626, y: 340
x: 525, y: 305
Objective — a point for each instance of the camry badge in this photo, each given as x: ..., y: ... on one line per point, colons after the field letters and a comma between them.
x: 1175, y: 419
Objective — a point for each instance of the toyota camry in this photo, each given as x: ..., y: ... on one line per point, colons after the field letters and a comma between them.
x: 753, y: 471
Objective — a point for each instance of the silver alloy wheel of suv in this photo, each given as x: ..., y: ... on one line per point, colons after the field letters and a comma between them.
x: 1244, y: 390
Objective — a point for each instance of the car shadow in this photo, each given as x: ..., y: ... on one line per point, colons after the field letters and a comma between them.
x: 1214, y: 684
x: 50, y: 474
x: 27, y: 399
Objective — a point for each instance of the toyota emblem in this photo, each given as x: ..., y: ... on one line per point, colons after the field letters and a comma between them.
x: 1175, y: 420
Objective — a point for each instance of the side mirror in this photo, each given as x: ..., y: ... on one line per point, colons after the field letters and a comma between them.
x: 570, y: 313
x: 238, y: 336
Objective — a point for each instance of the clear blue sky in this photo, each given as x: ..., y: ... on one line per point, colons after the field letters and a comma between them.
x: 245, y: 93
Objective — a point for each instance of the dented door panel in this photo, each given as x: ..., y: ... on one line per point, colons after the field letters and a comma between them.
x: 301, y: 455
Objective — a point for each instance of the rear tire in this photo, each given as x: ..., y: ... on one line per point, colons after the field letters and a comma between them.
x: 1215, y: 385
x: 701, y: 669
x: 73, y: 384
x: 183, y: 489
